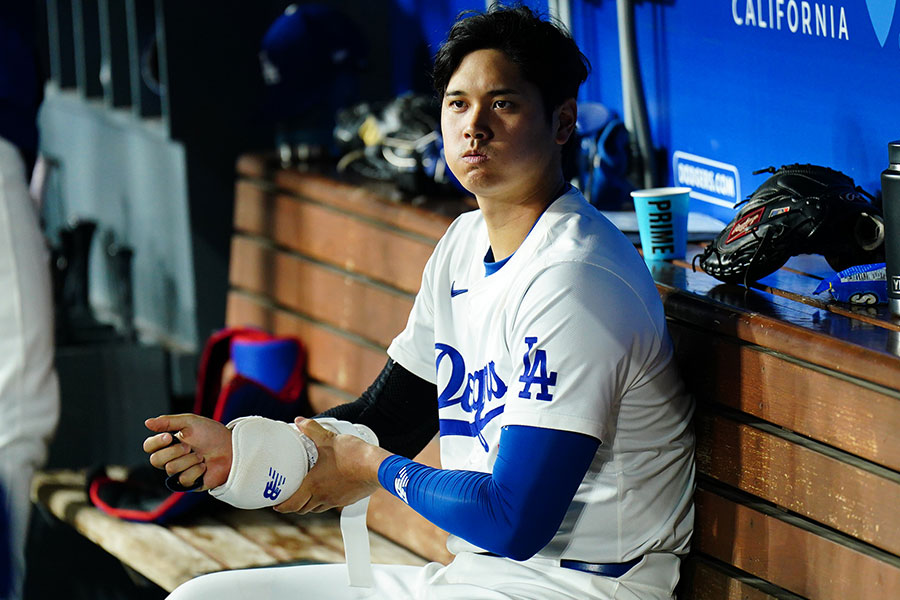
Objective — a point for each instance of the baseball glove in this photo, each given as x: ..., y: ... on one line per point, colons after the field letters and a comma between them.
x: 799, y: 209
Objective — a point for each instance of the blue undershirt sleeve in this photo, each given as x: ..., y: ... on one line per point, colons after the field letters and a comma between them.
x: 514, y: 511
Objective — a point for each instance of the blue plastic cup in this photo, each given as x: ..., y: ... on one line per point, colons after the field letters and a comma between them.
x: 662, y: 215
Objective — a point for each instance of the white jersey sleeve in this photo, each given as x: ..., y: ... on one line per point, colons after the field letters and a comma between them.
x: 414, y: 346
x: 581, y: 337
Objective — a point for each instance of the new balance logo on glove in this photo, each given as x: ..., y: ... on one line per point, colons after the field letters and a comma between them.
x: 273, y: 487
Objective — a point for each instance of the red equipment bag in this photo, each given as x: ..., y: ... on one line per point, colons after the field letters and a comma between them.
x: 269, y: 380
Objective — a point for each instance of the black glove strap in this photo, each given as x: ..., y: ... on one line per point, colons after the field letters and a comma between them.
x: 172, y: 480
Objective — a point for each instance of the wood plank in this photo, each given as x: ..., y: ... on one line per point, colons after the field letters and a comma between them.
x: 430, y: 217
x: 151, y: 550
x: 805, y: 560
x: 221, y: 537
x: 347, y: 364
x: 335, y: 238
x: 427, y: 216
x: 318, y: 292
x: 257, y: 165
x: 310, y: 538
x: 220, y: 542
x: 793, y: 281
x: 703, y: 581
x: 795, y: 476
x: 857, y: 418
x: 679, y: 277
x: 317, y: 541
x: 797, y: 281
x: 878, y: 315
x: 811, y: 265
x: 789, y: 327
x: 322, y: 397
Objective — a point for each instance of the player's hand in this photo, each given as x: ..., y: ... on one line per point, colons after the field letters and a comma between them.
x: 347, y: 471
x: 202, y: 448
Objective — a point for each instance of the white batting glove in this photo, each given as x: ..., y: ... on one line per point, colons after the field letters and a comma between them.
x: 271, y: 458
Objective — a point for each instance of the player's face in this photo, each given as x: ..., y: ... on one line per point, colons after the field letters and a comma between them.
x: 497, y: 138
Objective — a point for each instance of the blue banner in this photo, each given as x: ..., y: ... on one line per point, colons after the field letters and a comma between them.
x: 735, y: 86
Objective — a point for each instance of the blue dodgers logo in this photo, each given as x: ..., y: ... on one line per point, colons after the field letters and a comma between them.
x: 480, y: 393
x: 536, y: 373
x: 471, y: 391
x: 881, y: 13
x: 273, y: 487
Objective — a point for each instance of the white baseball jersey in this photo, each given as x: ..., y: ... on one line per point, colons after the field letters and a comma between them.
x: 568, y: 335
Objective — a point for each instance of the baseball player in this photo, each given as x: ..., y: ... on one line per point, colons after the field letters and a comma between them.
x: 536, y: 346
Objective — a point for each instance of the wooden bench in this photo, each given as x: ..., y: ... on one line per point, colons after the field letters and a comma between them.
x: 217, y: 538
x: 798, y: 414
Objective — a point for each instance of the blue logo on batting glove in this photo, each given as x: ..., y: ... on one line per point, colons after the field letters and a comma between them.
x: 273, y: 487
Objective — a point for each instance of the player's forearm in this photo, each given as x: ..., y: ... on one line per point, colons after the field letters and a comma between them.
x: 467, y: 504
x: 513, y: 511
x: 359, y: 462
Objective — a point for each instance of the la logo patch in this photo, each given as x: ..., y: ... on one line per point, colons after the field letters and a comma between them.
x: 536, y: 373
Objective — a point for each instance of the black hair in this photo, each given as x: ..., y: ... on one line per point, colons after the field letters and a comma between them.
x: 544, y: 51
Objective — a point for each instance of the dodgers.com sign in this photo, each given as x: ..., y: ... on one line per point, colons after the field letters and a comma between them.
x: 715, y: 186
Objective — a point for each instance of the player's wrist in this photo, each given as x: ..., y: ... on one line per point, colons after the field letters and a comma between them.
x: 218, y: 467
x: 358, y: 460
x: 389, y: 472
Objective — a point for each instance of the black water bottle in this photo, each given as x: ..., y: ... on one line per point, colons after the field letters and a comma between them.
x: 890, y: 193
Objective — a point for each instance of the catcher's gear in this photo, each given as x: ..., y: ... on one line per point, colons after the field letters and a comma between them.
x: 800, y: 209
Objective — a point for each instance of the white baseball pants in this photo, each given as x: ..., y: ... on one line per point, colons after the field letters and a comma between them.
x: 468, y: 577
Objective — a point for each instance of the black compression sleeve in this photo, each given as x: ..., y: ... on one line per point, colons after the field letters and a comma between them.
x: 400, y: 407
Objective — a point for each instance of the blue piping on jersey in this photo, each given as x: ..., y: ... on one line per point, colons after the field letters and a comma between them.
x: 490, y: 265
x: 467, y: 429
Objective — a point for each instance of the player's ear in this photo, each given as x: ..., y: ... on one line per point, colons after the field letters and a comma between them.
x: 565, y: 116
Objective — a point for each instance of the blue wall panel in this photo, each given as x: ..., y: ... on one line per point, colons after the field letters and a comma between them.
x: 420, y: 28
x: 736, y: 86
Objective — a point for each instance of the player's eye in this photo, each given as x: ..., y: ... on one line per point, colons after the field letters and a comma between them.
x: 456, y: 104
x: 502, y: 104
